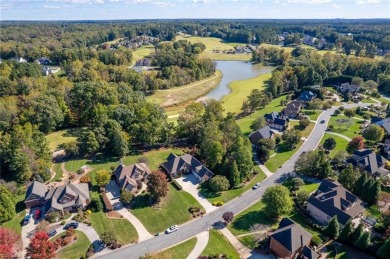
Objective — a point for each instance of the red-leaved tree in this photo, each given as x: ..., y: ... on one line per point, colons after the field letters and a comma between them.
x: 356, y: 143
x: 40, y: 247
x: 8, y: 239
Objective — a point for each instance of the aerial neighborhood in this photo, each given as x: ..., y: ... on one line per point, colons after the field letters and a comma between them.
x: 245, y: 139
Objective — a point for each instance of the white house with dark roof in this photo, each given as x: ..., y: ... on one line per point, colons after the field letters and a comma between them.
x: 332, y: 199
x: 186, y: 164
x: 130, y: 177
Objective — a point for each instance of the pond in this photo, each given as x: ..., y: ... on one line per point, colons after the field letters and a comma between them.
x: 233, y: 71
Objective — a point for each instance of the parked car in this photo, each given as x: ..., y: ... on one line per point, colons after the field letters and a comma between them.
x: 172, y: 229
x: 26, y: 219
x: 257, y: 185
x: 52, y: 233
x: 322, y: 122
x: 72, y: 225
x: 37, y: 213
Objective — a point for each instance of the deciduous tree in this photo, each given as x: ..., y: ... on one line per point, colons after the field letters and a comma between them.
x: 374, y: 133
x: 8, y: 240
x: 329, y: 143
x: 227, y: 216
x: 357, y: 143
x: 349, y: 176
x: 277, y: 201
x: 157, y: 184
x: 258, y: 123
x: 219, y: 183
x: 102, y: 177
x: 349, y: 113
x: 41, y: 247
x: 7, y: 204
x: 291, y: 138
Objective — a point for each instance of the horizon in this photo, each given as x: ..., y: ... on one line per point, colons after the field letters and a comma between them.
x: 108, y: 10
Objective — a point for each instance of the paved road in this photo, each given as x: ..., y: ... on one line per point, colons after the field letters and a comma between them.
x: 237, y: 205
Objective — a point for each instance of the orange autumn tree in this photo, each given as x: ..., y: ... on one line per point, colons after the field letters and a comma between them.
x: 40, y: 247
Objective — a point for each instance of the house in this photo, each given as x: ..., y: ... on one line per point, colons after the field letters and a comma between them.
x: 43, y: 61
x: 293, y: 109
x: 49, y: 70
x: 306, y: 96
x: 19, y: 60
x: 289, y: 239
x: 186, y: 164
x: 332, y: 199
x: 144, y: 62
x: 385, y: 124
x: 367, y: 160
x: 386, y: 148
x: 308, y: 253
x: 315, y: 87
x: 347, y: 88
x: 130, y: 177
x: 61, y: 199
x: 276, y: 121
x: 264, y: 132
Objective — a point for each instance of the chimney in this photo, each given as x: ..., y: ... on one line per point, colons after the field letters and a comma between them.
x: 301, y: 241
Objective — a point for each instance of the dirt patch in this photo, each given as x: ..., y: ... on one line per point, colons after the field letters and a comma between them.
x: 114, y: 215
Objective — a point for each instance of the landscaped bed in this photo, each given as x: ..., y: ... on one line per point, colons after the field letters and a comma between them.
x: 218, y: 244
x: 77, y: 249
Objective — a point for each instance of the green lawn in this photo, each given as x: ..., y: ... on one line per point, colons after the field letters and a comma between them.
x: 368, y: 100
x: 123, y: 229
x: 240, y: 91
x: 341, y: 144
x: 178, y: 251
x: 142, y: 52
x: 57, y: 138
x: 231, y: 194
x: 218, y: 244
x: 247, y: 218
x: 74, y: 165
x: 77, y: 249
x: 249, y: 241
x: 173, y: 211
x: 15, y: 222
x: 274, y: 105
x: 352, y: 131
x: 280, y: 158
x: 57, y: 169
x: 306, y: 132
x: 313, y: 115
x: 309, y: 187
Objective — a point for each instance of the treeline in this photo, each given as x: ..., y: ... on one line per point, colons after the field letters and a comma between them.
x: 305, y: 67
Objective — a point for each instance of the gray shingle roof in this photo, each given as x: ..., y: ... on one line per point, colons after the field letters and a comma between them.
x: 264, y: 132
x: 385, y: 123
x: 129, y: 174
x: 334, y: 200
x: 368, y: 159
x: 308, y: 253
x: 36, y: 188
x: 291, y: 235
x: 307, y: 96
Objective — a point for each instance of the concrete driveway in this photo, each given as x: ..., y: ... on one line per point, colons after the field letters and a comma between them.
x: 113, y: 195
x: 29, y: 229
x: 190, y: 184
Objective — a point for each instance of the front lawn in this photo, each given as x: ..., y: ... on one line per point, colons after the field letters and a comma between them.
x: 281, y: 156
x: 173, y: 211
x: 231, y: 194
x: 352, y: 131
x: 16, y: 222
x: 341, y: 144
x: 313, y: 115
x: 306, y: 132
x: 123, y: 229
x: 77, y: 249
x: 58, y: 171
x: 218, y: 244
x: 74, y: 165
x: 57, y: 138
x: 178, y: 251
x: 308, y: 187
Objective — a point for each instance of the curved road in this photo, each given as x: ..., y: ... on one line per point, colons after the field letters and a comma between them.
x: 237, y: 205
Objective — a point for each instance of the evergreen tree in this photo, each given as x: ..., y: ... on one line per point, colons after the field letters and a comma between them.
x: 346, y: 232
x: 348, y: 177
x: 358, y: 189
x: 234, y: 174
x: 364, y: 241
x: 373, y: 191
x: 332, y: 230
x: 7, y: 204
x: 357, y: 233
x: 384, y: 251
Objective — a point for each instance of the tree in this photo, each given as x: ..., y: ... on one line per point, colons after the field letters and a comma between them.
x: 361, y: 182
x: 108, y: 238
x: 88, y: 143
x: 8, y: 239
x: 303, y: 123
x: 302, y: 196
x: 268, y: 143
x: 291, y: 138
x: 126, y: 196
x: 157, y: 185
x: 118, y: 140
x: 357, y: 143
x: 373, y: 191
x: 85, y: 179
x: 384, y: 200
x: 41, y: 247
x: 227, y: 216
x: 102, y: 177
x: 340, y: 157
x: 346, y: 232
x: 297, y: 183
x: 7, y: 204
x: 258, y: 123
x: 349, y: 176
x: 95, y: 205
x: 332, y: 230
x: 315, y: 104
x: 357, y: 233
x: 190, y: 122
x: 71, y: 149
x: 329, y: 144
x: 234, y: 174
x: 374, y: 133
x: 364, y: 241
x: 263, y: 153
x: 384, y: 251
x: 349, y: 113
x: 277, y: 201
x: 219, y: 183
x: 314, y: 163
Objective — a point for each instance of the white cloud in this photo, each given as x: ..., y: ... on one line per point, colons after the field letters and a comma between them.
x: 276, y: 2
x: 368, y: 1
x: 51, y: 7
x: 309, y: 1
x: 336, y: 6
x: 203, y: 1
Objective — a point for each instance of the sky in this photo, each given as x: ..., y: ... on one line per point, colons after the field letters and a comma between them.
x: 179, y: 9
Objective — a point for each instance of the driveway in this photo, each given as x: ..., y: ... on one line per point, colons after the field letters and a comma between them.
x: 190, y: 184
x: 202, y: 239
x: 29, y: 230
x: 113, y: 195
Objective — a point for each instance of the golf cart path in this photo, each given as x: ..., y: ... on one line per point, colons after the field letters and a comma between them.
x: 201, y: 243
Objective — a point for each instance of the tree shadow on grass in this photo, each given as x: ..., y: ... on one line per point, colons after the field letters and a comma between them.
x: 207, y: 193
x: 281, y: 148
x: 103, y: 159
x: 73, y: 132
x: 141, y: 201
x: 244, y: 222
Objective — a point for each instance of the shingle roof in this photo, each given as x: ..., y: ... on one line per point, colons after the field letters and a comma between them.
x: 368, y: 158
x: 307, y: 96
x: 291, y: 235
x: 177, y: 163
x: 125, y: 174
x: 308, y: 253
x: 264, y: 132
x: 385, y: 123
x: 333, y: 199
x: 36, y: 188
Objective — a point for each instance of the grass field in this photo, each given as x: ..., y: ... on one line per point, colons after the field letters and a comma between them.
x: 231, y: 194
x: 352, y: 131
x: 74, y: 165
x: 218, y: 244
x: 289, y: 49
x: 77, y: 249
x: 274, y: 105
x: 57, y: 138
x: 173, y: 211
x: 215, y: 43
x: 341, y: 144
x: 57, y: 169
x: 142, y: 52
x: 124, y: 231
x: 313, y: 115
x: 179, y: 95
x: 178, y: 251
x: 15, y: 222
x: 308, y: 187
x: 240, y: 91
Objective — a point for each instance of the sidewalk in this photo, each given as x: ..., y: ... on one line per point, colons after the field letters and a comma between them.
x: 201, y: 243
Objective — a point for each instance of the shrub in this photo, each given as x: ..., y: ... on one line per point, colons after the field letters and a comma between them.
x: 70, y: 232
x: 316, y: 241
x: 219, y: 183
x: 66, y: 241
x: 63, y: 222
x: 108, y: 238
x: 126, y: 196
x: 95, y: 205
x: 177, y: 185
x: 88, y: 212
x: 193, y: 209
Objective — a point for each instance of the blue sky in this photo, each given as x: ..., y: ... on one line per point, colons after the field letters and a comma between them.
x: 171, y: 9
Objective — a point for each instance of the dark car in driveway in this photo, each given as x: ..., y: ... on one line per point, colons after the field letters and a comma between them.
x: 26, y: 219
x: 72, y: 225
x: 52, y: 233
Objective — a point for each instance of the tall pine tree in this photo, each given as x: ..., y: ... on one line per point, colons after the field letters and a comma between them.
x: 357, y: 233
x: 358, y: 189
x: 234, y: 174
x: 346, y: 232
x: 332, y: 230
x: 364, y: 241
x: 384, y: 251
